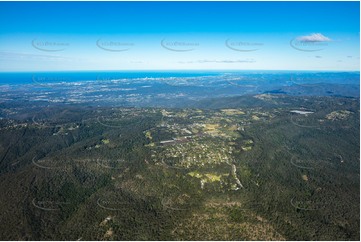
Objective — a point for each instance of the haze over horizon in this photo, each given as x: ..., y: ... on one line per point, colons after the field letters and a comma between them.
x: 69, y: 36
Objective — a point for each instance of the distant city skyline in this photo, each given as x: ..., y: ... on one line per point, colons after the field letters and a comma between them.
x: 69, y: 36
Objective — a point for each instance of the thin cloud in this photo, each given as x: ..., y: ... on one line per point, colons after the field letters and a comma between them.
x: 318, y: 56
x: 219, y: 61
x: 26, y: 56
x: 315, y: 37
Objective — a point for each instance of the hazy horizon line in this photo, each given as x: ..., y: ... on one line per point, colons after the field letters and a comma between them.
x: 181, y: 70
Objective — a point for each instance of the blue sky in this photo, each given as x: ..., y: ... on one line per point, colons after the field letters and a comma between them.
x: 44, y: 36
